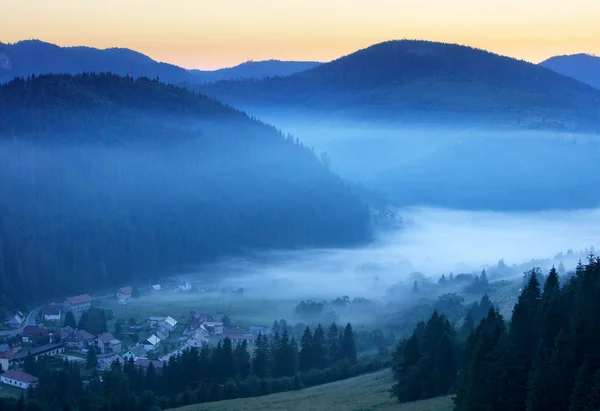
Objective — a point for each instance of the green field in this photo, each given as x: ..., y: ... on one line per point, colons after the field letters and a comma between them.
x: 10, y: 391
x: 367, y: 392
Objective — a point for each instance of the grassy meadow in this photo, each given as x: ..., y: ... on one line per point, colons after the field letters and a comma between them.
x: 363, y: 393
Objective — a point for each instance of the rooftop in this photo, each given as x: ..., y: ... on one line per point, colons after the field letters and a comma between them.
x: 19, y: 376
x: 106, y: 338
x: 33, y: 330
x: 79, y: 299
x: 35, y: 351
x: 51, y: 309
x: 125, y: 290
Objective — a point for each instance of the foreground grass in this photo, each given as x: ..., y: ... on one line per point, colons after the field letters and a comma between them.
x: 363, y: 393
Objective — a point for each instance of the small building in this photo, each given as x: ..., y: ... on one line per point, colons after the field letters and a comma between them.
x: 14, y: 343
x: 203, y: 331
x: 105, y: 361
x: 107, y: 343
x: 155, y: 321
x: 163, y: 333
x: 214, y: 327
x: 5, y: 358
x: 31, y: 334
x: 44, y: 350
x: 145, y: 363
x: 197, y: 341
x: 151, y: 343
x: 51, y: 312
x: 169, y: 323
x: 258, y: 329
x: 237, y: 336
x: 78, y: 339
x: 124, y: 294
x: 186, y: 286
x: 196, y: 319
x: 15, y: 321
x: 78, y: 303
x: 18, y: 379
x: 135, y: 352
x: 156, y: 287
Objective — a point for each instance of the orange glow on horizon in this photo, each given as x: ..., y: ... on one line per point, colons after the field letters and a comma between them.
x: 211, y: 34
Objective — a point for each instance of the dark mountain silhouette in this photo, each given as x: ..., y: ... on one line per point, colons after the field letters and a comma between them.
x: 29, y: 57
x: 109, y: 179
x: 407, y: 79
x: 255, y: 70
x: 583, y: 67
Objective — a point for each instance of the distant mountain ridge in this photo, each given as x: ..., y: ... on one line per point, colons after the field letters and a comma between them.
x: 29, y: 57
x: 583, y: 67
x: 408, y: 78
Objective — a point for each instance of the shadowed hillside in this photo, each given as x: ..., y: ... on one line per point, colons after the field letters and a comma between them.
x: 582, y: 67
x: 29, y: 57
x: 422, y: 81
x: 108, y: 179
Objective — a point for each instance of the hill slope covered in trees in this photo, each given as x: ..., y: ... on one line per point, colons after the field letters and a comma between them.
x: 412, y: 80
x: 583, y: 67
x: 29, y: 57
x: 108, y: 179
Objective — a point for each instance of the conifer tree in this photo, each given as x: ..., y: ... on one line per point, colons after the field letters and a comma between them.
x: 242, y: 360
x: 226, y: 361
x: 305, y: 357
x: 333, y: 344
x: 70, y: 320
x: 319, y: 348
x: 348, y: 348
x: 92, y: 359
x: 260, y: 359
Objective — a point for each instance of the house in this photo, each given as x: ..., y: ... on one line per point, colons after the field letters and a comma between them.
x: 78, y: 303
x: 51, y: 312
x: 151, y: 343
x: 107, y: 343
x: 196, y: 319
x: 237, y: 336
x: 186, y: 286
x: 45, y: 350
x: 32, y: 333
x: 145, y: 363
x: 5, y: 348
x: 163, y: 333
x: 197, y: 341
x: 5, y: 358
x: 16, y: 321
x: 214, y: 327
x: 124, y: 294
x: 155, y: 321
x: 156, y: 287
x: 258, y: 329
x: 203, y: 331
x: 105, y: 361
x: 18, y: 379
x: 78, y: 339
x: 169, y: 323
x: 14, y: 343
x: 135, y: 352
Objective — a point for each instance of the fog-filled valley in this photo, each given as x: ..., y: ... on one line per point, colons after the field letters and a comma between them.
x: 425, y: 207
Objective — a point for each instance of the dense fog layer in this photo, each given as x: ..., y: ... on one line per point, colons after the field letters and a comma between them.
x: 461, y: 167
x: 432, y: 242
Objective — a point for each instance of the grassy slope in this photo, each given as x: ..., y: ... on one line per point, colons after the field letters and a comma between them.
x: 367, y: 392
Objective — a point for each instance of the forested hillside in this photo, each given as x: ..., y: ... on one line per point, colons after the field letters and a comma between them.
x: 404, y: 80
x: 546, y: 358
x: 583, y: 67
x: 107, y: 179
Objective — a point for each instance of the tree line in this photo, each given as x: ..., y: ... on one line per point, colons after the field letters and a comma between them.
x: 546, y: 357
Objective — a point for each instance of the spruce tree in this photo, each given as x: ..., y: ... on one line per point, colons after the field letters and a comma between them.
x: 348, y: 348
x: 70, y: 320
x: 444, y: 366
x: 319, y: 348
x: 260, y: 359
x: 305, y: 357
x: 227, y: 362
x: 242, y: 360
x: 92, y: 359
x: 333, y: 344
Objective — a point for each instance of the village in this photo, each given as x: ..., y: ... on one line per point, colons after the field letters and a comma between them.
x: 61, y: 331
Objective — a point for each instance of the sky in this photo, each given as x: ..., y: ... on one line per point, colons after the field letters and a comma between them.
x: 209, y: 34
